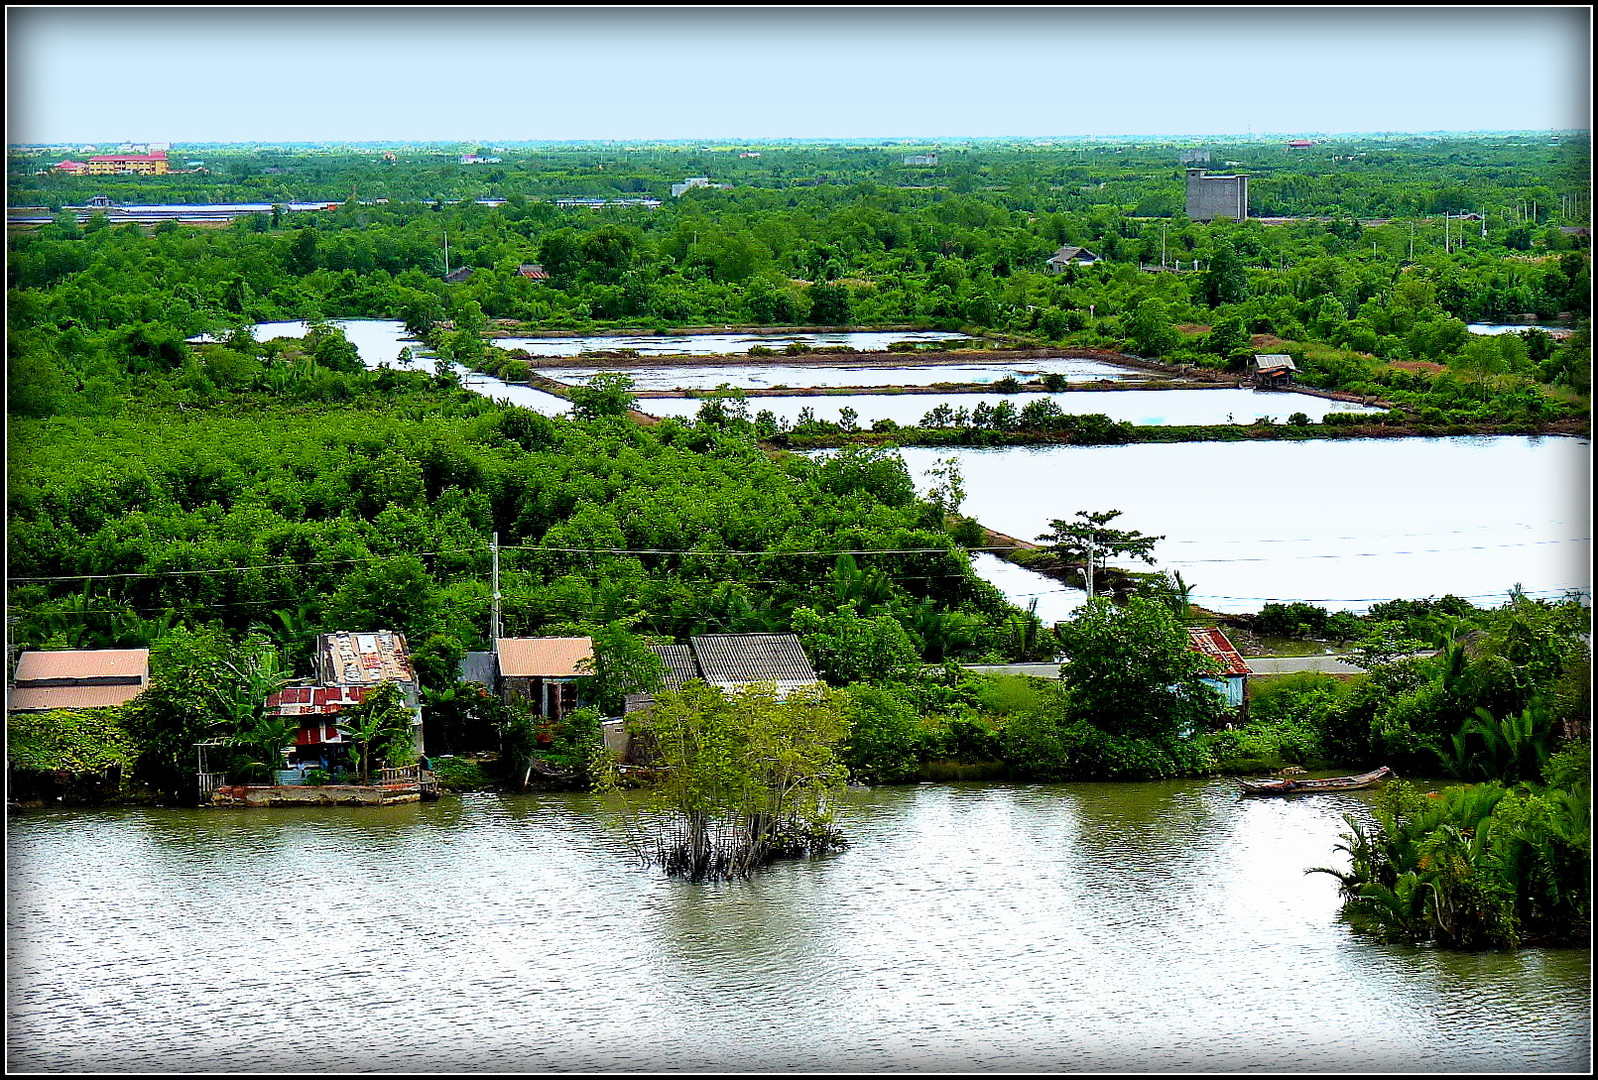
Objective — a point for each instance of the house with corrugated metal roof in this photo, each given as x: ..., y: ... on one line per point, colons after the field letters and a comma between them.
x: 77, y: 679
x: 1273, y: 370
x: 348, y: 666
x: 728, y: 662
x: 1069, y: 256
x: 1231, y: 680
x: 544, y: 672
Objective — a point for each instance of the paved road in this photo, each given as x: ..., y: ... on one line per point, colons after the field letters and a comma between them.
x: 1260, y: 665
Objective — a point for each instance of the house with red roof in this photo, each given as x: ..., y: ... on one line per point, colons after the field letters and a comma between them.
x: 1231, y: 680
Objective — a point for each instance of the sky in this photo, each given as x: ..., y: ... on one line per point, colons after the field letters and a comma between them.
x: 501, y: 75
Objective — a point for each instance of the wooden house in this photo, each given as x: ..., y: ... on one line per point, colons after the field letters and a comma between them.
x: 1273, y: 371
x: 78, y: 679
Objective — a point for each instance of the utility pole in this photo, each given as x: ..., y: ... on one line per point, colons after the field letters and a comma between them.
x: 494, y: 630
x: 1091, y: 555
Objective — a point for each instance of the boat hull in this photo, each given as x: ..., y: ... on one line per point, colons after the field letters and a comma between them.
x: 1309, y: 787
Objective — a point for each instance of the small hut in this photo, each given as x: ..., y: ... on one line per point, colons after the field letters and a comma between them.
x: 1273, y: 371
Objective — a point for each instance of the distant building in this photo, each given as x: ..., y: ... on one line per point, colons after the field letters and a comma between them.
x: 473, y: 159
x: 1300, y: 144
x: 458, y: 275
x: 921, y: 159
x: 1195, y: 157
x: 1070, y: 256
x: 113, y: 164
x: 78, y: 679
x: 729, y: 662
x: 688, y: 184
x: 533, y: 271
x: 1210, y: 197
x: 1273, y: 370
x: 74, y: 168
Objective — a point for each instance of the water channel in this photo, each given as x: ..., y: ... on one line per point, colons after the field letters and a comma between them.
x: 1342, y: 523
x: 1146, y: 927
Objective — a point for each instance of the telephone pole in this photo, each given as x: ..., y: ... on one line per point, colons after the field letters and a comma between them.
x: 494, y: 630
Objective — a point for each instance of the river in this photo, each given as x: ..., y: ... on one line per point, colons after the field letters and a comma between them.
x: 1146, y: 927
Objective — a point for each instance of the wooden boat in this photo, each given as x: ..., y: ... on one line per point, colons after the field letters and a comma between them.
x: 1298, y: 786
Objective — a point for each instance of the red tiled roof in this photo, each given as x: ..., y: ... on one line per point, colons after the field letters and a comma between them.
x: 1211, y: 642
x: 550, y: 657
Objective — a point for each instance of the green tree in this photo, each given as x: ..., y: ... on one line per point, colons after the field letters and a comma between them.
x: 847, y: 648
x: 743, y: 779
x: 1091, y: 542
x: 1150, y: 328
x: 380, y: 729
x: 608, y: 393
x: 1226, y: 280
x: 1132, y: 671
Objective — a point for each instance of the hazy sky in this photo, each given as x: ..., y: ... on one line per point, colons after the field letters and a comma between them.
x: 186, y: 75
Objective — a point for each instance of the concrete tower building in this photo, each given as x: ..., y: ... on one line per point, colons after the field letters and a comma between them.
x: 1210, y: 197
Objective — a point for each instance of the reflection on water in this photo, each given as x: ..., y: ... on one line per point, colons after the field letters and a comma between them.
x: 723, y: 344
x: 777, y: 375
x: 1140, y: 927
x: 1344, y: 523
x: 1143, y: 407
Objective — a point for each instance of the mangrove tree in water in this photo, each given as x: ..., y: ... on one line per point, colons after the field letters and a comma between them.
x: 740, y: 779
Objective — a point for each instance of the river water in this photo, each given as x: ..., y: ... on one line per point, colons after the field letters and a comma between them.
x: 1142, y: 927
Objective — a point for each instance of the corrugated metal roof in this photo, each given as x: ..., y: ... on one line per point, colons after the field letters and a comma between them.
x: 738, y: 659
x: 1272, y: 361
x: 1211, y: 642
x: 313, y: 700
x: 680, y: 665
x: 348, y: 659
x: 71, y: 665
x: 550, y: 657
x: 45, y: 698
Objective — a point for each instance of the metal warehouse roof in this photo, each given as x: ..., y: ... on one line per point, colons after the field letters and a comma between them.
x: 46, y: 698
x: 549, y: 658
x: 680, y: 664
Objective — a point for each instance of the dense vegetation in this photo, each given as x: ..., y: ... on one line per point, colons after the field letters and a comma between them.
x: 225, y: 502
x: 814, y: 235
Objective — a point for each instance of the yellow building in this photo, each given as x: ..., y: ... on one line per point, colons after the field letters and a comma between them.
x: 111, y: 164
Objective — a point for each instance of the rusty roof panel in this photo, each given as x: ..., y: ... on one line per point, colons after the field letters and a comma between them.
x: 314, y: 700
x: 349, y: 659
x: 549, y: 657
x: 1211, y: 642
